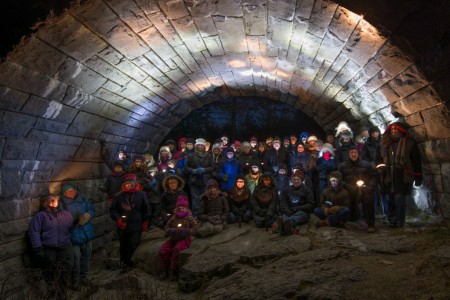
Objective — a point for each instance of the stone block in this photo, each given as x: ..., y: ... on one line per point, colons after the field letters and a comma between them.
x: 80, y: 76
x: 49, y: 151
x: 14, y: 229
x: 431, y: 169
x: 419, y: 133
x: 408, y: 81
x: 86, y: 125
x: 15, y: 125
x: 12, y: 249
x: 363, y: 43
x: 35, y: 176
x: 20, y: 149
x: 26, y: 165
x: 421, y: 100
x: 444, y: 205
x: 205, y: 25
x: 126, y: 41
x: 50, y: 126
x: 437, y: 122
x: 435, y: 151
x: 49, y: 110
x: 164, y: 28
x: 10, y: 183
x: 284, y: 9
x: 445, y: 171
x: 73, y: 38
x: 106, y: 70
x: 79, y: 170
x: 343, y: 23
x: 116, y: 113
x: 378, y: 80
x: 304, y: 9
x: 108, y: 96
x: 321, y: 17
x: 38, y: 56
x: 184, y: 52
x: 89, y: 150
x: 11, y: 99
x: 231, y: 33
x: 23, y: 79
x: 44, y: 136
x: 188, y: 32
x: 112, y: 86
x: 15, y: 210
x: 279, y: 32
x: 89, y: 14
x: 414, y: 119
x: 385, y: 95
x: 392, y: 59
x: 131, y: 14
x: 228, y: 8
x: 330, y: 48
x: 433, y: 183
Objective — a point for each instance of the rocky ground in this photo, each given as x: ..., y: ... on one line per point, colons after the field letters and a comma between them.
x: 318, y: 263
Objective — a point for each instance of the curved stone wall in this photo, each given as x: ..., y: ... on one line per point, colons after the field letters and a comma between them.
x: 121, y: 74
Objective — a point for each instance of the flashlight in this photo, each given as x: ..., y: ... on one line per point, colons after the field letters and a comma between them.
x: 124, y: 218
x: 360, y: 183
x: 179, y: 225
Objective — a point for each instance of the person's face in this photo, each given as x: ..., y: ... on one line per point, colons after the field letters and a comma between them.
x: 230, y: 155
x: 353, y: 154
x: 286, y: 143
x: 238, y: 149
x: 334, y: 182
x: 261, y: 148
x: 164, y: 153
x: 190, y: 146
x: 330, y: 139
x: 118, y: 169
x: 216, y: 151
x: 138, y: 163
x: 70, y: 193
x: 207, y: 145
x: 282, y: 171
x: 246, y: 149
x: 173, y: 184
x: 394, y: 130
x: 240, y: 183
x: 183, y: 145
x: 304, y: 140
x: 253, y: 144
x: 147, y: 157
x: 300, y: 148
x: 267, y: 181
x: 122, y: 156
x: 345, y: 139
x: 171, y: 164
x: 171, y: 146
x: 312, y: 142
x: 276, y: 145
x: 293, y: 140
x: 181, y: 209
x: 224, y: 141
x: 375, y: 134
x: 129, y: 184
x: 213, y: 189
x: 53, y: 201
x: 269, y: 144
x: 326, y: 155
x: 296, y: 181
x: 200, y: 147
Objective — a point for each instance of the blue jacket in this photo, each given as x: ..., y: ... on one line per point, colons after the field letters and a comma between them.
x: 78, y: 207
x: 50, y: 228
x: 228, y: 173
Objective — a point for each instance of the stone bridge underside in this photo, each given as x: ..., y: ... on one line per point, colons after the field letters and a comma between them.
x: 126, y: 72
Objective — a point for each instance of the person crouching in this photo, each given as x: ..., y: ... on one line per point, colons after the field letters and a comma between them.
x: 213, y: 209
x: 180, y: 228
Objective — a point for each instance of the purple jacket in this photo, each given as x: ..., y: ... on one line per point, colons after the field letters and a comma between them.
x: 50, y: 229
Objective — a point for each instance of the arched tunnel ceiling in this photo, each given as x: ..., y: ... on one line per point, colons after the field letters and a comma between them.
x: 127, y: 71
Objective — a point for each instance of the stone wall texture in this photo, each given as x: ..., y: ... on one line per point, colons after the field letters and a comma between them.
x: 121, y: 74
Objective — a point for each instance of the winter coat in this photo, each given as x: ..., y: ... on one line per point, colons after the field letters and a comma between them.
x: 251, y: 183
x: 188, y: 227
x: 134, y: 206
x: 246, y: 161
x: 239, y: 202
x: 282, y: 181
x: 199, y: 160
x: 325, y: 167
x: 228, y: 172
x: 216, y: 208
x: 352, y: 171
x: 295, y: 199
x: 264, y: 200
x: 169, y: 197
x: 50, y: 228
x: 371, y: 150
x: 303, y: 159
x: 338, y: 197
x: 273, y: 159
x: 141, y: 173
x: 113, y: 184
x: 341, y: 153
x: 78, y: 207
x: 153, y: 189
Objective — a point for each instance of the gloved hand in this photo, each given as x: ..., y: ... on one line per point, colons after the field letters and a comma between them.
x: 144, y: 226
x: 326, y: 210
x: 39, y: 253
x: 200, y: 171
x: 121, y: 224
x: 225, y: 177
x: 334, y: 209
x: 84, y: 219
x: 418, y: 180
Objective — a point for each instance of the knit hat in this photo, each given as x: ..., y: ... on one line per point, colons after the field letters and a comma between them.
x: 67, y: 186
x: 330, y: 132
x: 170, y: 142
x: 237, y: 143
x: 327, y: 147
x: 216, y: 146
x: 401, y: 127
x: 190, y: 141
x: 312, y: 137
x: 246, y: 144
x: 212, y: 182
x: 374, y: 129
x: 139, y: 157
x: 298, y: 173
x: 286, y: 138
x: 253, y: 139
x: 276, y: 139
x: 166, y: 148
x: 343, y: 127
x: 229, y: 150
x: 130, y: 177
x: 182, y: 201
x: 304, y: 134
x: 118, y: 163
x: 147, y: 152
x: 269, y: 140
x: 335, y: 174
x: 352, y: 147
x: 200, y: 141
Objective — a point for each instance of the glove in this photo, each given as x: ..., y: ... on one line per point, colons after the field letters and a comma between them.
x: 326, y: 210
x: 39, y: 253
x: 121, y: 224
x: 417, y: 180
x: 200, y: 171
x: 144, y: 226
x: 225, y: 177
x: 84, y: 219
x: 334, y: 210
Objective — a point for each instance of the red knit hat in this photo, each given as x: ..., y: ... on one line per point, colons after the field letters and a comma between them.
x: 182, y: 201
x: 130, y: 177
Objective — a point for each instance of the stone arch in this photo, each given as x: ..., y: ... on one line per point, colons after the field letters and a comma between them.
x: 121, y: 73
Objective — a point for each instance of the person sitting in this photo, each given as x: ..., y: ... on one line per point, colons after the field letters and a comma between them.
x: 180, y: 228
x: 239, y: 197
x: 50, y: 238
x: 334, y: 207
x: 173, y: 186
x: 213, y: 210
x: 264, y: 202
x: 296, y: 203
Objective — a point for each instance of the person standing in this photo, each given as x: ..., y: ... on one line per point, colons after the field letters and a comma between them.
x: 82, y: 232
x: 401, y: 166
x: 50, y: 238
x: 130, y: 211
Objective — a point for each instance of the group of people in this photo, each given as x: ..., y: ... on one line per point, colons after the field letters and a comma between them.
x: 195, y: 187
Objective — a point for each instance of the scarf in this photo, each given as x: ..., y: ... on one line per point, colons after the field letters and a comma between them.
x: 182, y: 214
x: 132, y: 190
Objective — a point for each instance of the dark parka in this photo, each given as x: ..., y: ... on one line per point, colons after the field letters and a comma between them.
x: 132, y: 205
x: 338, y: 196
x: 352, y: 171
x: 169, y: 197
x: 371, y: 150
x: 264, y: 200
x: 275, y: 158
x: 214, y: 207
x: 294, y: 199
x: 199, y: 159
